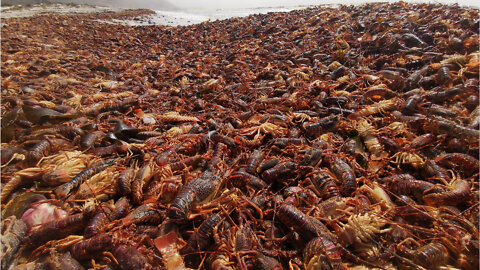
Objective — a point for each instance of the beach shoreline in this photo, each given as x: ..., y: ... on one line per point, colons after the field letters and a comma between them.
x: 161, y: 17
x: 183, y: 17
x: 21, y: 11
x: 158, y: 17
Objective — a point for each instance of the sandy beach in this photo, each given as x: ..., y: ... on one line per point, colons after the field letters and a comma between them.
x: 161, y: 17
x: 40, y: 9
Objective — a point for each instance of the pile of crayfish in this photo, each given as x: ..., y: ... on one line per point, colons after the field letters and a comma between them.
x: 322, y: 138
